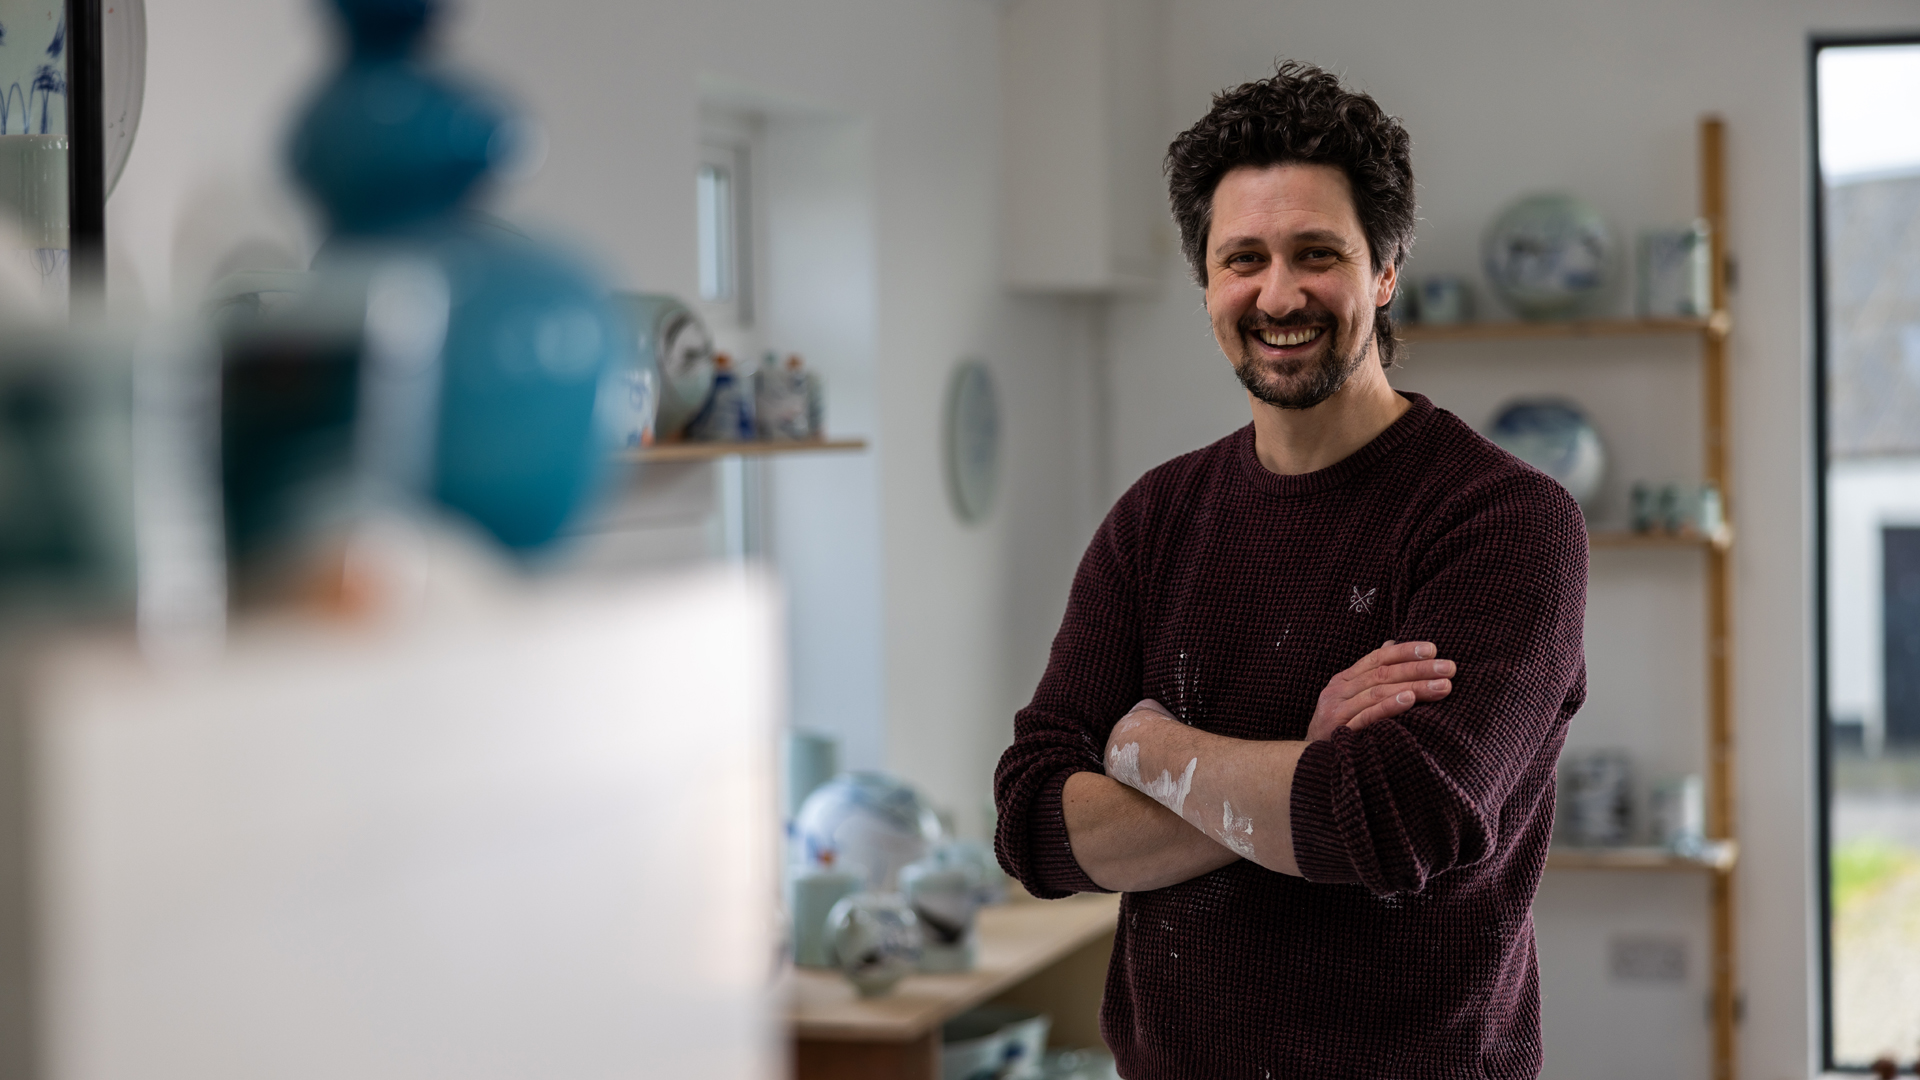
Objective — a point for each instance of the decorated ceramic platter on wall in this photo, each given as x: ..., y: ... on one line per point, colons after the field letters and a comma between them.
x: 33, y: 72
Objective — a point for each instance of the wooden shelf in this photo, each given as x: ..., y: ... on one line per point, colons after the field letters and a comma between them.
x: 1016, y: 940
x: 1719, y: 855
x: 1623, y: 538
x: 1718, y: 325
x: 713, y: 451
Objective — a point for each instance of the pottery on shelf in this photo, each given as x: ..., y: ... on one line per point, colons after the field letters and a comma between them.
x: 1556, y: 438
x: 1549, y: 256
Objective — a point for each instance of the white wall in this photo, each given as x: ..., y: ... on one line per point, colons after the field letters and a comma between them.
x: 1508, y: 96
x: 958, y: 617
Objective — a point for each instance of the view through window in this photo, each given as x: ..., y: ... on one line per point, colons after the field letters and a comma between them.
x: 1869, y: 166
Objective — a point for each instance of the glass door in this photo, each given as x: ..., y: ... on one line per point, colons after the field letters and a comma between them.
x: 1867, y: 136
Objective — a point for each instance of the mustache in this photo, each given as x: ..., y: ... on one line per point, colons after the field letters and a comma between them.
x: 1305, y: 318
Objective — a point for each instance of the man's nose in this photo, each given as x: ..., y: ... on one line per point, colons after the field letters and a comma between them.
x: 1281, y: 292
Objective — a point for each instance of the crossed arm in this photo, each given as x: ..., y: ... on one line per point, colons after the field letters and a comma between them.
x: 1176, y: 802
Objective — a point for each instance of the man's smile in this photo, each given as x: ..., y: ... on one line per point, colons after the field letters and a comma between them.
x: 1281, y: 339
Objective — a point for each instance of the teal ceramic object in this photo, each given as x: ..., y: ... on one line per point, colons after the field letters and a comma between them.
x: 531, y: 346
x: 535, y: 360
x: 1550, y: 256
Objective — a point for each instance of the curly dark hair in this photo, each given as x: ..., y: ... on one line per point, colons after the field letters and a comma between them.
x: 1300, y: 115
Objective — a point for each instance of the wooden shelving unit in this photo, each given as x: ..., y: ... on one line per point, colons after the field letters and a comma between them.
x: 1717, y: 857
x: 1712, y: 333
x: 1622, y: 538
x: 714, y: 451
x: 1719, y: 325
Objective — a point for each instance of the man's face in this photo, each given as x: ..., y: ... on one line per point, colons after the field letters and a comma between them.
x: 1290, y: 284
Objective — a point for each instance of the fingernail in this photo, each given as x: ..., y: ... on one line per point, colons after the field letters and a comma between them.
x: 1421, y: 652
x: 1443, y: 667
x: 1405, y: 697
x: 1437, y: 684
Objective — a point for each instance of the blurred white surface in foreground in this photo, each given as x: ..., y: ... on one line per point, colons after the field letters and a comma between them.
x: 530, y: 841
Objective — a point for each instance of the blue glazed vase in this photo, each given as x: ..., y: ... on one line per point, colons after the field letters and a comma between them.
x: 535, y: 361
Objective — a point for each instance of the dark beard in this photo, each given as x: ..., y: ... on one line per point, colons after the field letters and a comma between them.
x: 1322, y: 381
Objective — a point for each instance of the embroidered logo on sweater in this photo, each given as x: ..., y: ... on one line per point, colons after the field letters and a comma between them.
x: 1361, y: 602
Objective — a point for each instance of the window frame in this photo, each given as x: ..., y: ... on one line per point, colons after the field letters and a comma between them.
x: 1823, y: 728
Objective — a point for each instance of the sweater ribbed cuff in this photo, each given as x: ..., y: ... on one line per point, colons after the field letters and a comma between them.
x: 1317, y: 848
x: 1049, y: 853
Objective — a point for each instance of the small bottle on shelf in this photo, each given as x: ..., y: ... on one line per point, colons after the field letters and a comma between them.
x: 728, y: 414
x: 783, y: 404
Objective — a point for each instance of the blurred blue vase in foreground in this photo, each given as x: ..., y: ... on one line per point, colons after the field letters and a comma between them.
x: 486, y: 366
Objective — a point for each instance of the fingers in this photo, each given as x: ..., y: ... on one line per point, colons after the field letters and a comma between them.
x: 1387, y: 699
x: 1384, y: 702
x: 1414, y: 672
x: 1390, y: 654
x: 1400, y: 652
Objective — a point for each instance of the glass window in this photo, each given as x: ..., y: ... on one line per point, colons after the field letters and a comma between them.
x: 716, y: 232
x: 1868, y: 138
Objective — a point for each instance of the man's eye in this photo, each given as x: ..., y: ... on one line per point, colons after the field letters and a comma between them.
x: 1319, y: 254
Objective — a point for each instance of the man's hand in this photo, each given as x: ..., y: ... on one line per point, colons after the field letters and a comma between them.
x: 1386, y: 682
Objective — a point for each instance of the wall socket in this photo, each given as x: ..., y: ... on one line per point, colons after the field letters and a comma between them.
x: 1647, y: 959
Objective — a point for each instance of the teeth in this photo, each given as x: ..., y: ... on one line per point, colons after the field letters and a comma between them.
x: 1290, y: 337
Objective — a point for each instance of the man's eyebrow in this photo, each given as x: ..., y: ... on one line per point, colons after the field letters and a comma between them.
x: 1306, y: 236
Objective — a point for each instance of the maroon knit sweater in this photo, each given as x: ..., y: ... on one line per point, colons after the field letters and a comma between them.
x: 1232, y: 596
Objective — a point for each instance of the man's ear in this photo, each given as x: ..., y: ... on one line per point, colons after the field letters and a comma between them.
x: 1389, y: 281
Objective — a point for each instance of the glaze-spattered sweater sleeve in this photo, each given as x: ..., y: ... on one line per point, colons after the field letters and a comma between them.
x: 1092, y: 679
x: 1500, y: 589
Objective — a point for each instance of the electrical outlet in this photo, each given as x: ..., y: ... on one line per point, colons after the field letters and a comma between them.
x: 1647, y: 959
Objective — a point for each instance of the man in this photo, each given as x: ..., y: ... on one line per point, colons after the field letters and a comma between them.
x: 1329, y: 847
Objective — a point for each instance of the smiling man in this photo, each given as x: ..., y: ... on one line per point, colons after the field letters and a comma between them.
x: 1329, y: 847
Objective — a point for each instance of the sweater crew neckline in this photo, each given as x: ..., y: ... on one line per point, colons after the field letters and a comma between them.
x: 1419, y: 411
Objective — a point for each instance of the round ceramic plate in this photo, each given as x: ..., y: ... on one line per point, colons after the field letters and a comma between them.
x: 33, y: 72
x: 123, y: 77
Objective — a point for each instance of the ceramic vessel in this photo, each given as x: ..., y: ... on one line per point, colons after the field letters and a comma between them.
x: 1678, y: 808
x: 994, y: 1042
x: 1597, y: 798
x: 1445, y: 300
x: 946, y: 898
x: 1676, y: 272
x: 874, y: 939
x: 1556, y: 438
x: 670, y: 338
x: 868, y: 823
x: 1550, y: 256
x: 811, y: 896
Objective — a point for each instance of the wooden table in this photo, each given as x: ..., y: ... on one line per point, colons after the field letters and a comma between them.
x: 839, y: 1035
